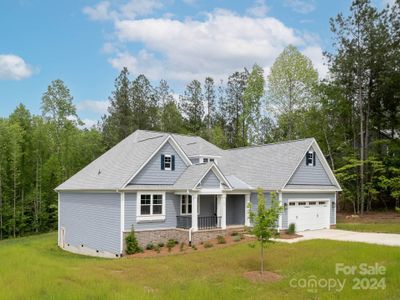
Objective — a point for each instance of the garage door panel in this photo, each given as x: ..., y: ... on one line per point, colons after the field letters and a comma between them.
x: 309, y: 215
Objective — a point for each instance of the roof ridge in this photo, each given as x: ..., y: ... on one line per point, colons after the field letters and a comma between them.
x: 269, y: 144
x: 166, y: 132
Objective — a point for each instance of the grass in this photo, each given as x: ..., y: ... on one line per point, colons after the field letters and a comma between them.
x: 370, y: 227
x: 384, y: 222
x: 35, y: 268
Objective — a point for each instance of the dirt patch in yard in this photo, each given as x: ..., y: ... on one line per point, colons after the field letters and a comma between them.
x: 369, y: 217
x: 266, y: 276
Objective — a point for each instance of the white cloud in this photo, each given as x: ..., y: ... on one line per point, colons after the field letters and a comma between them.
x: 99, y: 12
x: 108, y: 48
x: 135, y: 8
x: 14, y: 67
x: 106, y: 10
x: 259, y: 9
x: 301, y: 6
x: 217, y: 46
x: 315, y: 54
x: 95, y: 106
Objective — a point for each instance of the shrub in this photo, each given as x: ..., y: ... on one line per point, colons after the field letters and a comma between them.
x: 160, y: 244
x: 132, y: 245
x: 221, y: 239
x: 157, y: 248
x: 149, y: 246
x: 181, y: 247
x: 236, y: 238
x: 291, y: 229
x: 194, y: 247
x: 207, y: 245
x: 241, y: 236
x: 171, y: 244
x: 397, y: 209
x: 234, y: 233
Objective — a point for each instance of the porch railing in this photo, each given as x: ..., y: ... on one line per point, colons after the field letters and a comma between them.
x: 203, y: 222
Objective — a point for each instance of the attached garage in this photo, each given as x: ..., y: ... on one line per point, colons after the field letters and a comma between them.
x: 309, y: 214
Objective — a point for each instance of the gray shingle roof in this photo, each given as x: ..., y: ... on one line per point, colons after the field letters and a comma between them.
x: 194, y: 145
x: 267, y: 166
x: 111, y: 170
x: 191, y: 176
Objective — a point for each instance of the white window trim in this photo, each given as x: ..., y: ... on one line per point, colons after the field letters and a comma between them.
x: 150, y: 217
x: 311, y: 164
x: 187, y: 205
x: 170, y: 162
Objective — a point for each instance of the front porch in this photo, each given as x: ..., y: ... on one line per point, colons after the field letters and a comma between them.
x: 219, y: 211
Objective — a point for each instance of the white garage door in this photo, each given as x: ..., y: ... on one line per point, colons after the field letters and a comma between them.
x: 309, y: 215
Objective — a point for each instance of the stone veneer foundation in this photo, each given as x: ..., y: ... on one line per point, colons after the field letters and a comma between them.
x: 181, y: 235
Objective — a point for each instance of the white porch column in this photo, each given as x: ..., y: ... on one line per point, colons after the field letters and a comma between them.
x: 246, y: 210
x: 223, y: 211
x: 280, y: 215
x: 194, y: 212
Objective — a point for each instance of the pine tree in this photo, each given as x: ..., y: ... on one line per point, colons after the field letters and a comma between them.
x: 119, y: 122
x: 193, y: 107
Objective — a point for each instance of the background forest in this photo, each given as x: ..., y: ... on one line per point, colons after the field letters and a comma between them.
x: 354, y: 114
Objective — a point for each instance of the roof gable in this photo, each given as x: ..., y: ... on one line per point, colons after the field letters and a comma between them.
x: 267, y: 166
x: 210, y: 180
x: 169, y: 140
x: 310, y: 174
x: 151, y: 173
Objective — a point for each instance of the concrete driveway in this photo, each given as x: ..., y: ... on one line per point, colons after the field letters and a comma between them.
x: 387, y: 239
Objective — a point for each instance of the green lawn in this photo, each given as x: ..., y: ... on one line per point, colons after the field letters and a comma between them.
x: 34, y: 268
x: 370, y: 227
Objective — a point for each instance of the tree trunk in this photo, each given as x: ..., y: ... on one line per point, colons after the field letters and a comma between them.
x: 262, y: 258
x: 329, y: 149
x: 366, y: 152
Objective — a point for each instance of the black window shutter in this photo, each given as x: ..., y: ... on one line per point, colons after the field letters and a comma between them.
x: 307, y: 159
x: 162, y: 162
x: 173, y: 162
x: 313, y: 158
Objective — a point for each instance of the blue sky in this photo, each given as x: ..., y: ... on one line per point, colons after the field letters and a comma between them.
x: 86, y: 43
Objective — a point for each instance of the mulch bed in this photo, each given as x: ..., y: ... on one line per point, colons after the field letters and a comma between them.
x: 266, y: 276
x: 285, y: 236
x: 187, y: 249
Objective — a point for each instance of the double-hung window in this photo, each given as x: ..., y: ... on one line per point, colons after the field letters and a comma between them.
x: 186, y: 204
x: 150, y: 206
x: 310, y: 158
x: 167, y: 162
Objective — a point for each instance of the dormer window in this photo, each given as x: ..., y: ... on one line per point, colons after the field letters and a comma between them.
x: 205, y: 160
x: 167, y: 162
x: 310, y: 158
